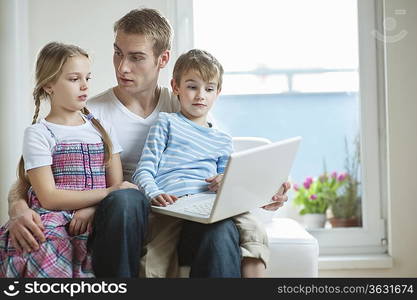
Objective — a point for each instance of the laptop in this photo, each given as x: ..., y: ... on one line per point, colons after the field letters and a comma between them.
x: 250, y: 180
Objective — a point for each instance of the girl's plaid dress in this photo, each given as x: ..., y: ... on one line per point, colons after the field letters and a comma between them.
x: 75, y: 166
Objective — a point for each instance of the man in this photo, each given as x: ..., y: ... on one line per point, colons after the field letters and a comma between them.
x: 141, y: 49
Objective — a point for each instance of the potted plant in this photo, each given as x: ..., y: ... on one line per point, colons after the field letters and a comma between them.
x: 346, y: 207
x: 314, y: 197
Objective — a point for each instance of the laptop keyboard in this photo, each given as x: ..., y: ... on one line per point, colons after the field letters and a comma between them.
x: 202, y: 208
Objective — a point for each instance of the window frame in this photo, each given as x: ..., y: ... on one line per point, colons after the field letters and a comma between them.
x: 371, y: 237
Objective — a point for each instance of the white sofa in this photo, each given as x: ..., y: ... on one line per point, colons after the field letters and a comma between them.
x: 294, y: 252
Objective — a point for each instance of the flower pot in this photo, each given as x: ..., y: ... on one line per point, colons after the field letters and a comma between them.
x: 345, y: 222
x: 313, y: 221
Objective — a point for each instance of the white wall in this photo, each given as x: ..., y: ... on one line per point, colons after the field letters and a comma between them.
x: 88, y: 24
x: 401, y: 107
x: 14, y: 91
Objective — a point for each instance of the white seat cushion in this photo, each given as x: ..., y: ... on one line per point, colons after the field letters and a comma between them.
x: 294, y: 252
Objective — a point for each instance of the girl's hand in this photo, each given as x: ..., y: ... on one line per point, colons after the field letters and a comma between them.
x: 215, y: 182
x: 163, y: 200
x: 82, y: 221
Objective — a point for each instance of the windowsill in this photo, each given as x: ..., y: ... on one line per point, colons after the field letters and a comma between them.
x: 346, y: 262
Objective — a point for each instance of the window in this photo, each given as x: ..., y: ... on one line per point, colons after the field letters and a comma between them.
x: 307, y: 68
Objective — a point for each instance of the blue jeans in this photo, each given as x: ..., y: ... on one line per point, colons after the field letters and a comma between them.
x: 212, y: 250
x: 119, y: 232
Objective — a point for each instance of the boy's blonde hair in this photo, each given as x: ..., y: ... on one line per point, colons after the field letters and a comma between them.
x: 150, y: 23
x: 201, y: 62
x: 49, y: 63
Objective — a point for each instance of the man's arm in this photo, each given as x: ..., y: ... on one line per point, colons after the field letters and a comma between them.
x: 25, y: 226
x: 17, y: 197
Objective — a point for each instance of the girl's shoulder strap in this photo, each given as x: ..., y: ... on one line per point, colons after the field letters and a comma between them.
x: 89, y: 118
x: 51, y: 132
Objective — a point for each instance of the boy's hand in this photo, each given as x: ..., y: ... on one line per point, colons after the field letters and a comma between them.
x: 25, y: 230
x: 279, y: 198
x: 82, y: 221
x: 215, y: 182
x: 163, y: 200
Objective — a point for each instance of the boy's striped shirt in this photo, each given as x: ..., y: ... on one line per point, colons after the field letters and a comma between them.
x: 179, y: 155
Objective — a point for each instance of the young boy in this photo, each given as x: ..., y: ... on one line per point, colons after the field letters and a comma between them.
x: 184, y: 154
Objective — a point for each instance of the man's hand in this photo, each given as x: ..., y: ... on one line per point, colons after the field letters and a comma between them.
x: 24, y: 228
x: 279, y: 198
x: 163, y: 200
x: 82, y: 221
x: 215, y: 182
x: 123, y: 185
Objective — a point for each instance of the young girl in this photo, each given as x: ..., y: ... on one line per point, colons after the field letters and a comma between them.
x: 70, y: 163
x: 183, y: 154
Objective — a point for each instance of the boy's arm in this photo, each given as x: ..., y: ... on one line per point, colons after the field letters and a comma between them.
x: 216, y: 180
x: 221, y: 164
x: 147, y: 167
x: 25, y: 226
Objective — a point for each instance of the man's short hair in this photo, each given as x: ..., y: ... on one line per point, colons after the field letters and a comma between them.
x: 201, y: 62
x: 150, y: 23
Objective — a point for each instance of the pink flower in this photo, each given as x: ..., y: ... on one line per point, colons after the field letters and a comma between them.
x: 295, y: 186
x: 309, y: 180
x: 334, y: 174
x: 342, y: 177
x: 313, y: 197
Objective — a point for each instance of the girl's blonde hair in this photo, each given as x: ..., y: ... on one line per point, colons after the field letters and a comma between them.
x: 201, y: 62
x: 49, y: 65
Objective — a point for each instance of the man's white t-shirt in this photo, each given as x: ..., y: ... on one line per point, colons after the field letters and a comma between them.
x: 38, y: 142
x: 131, y: 129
